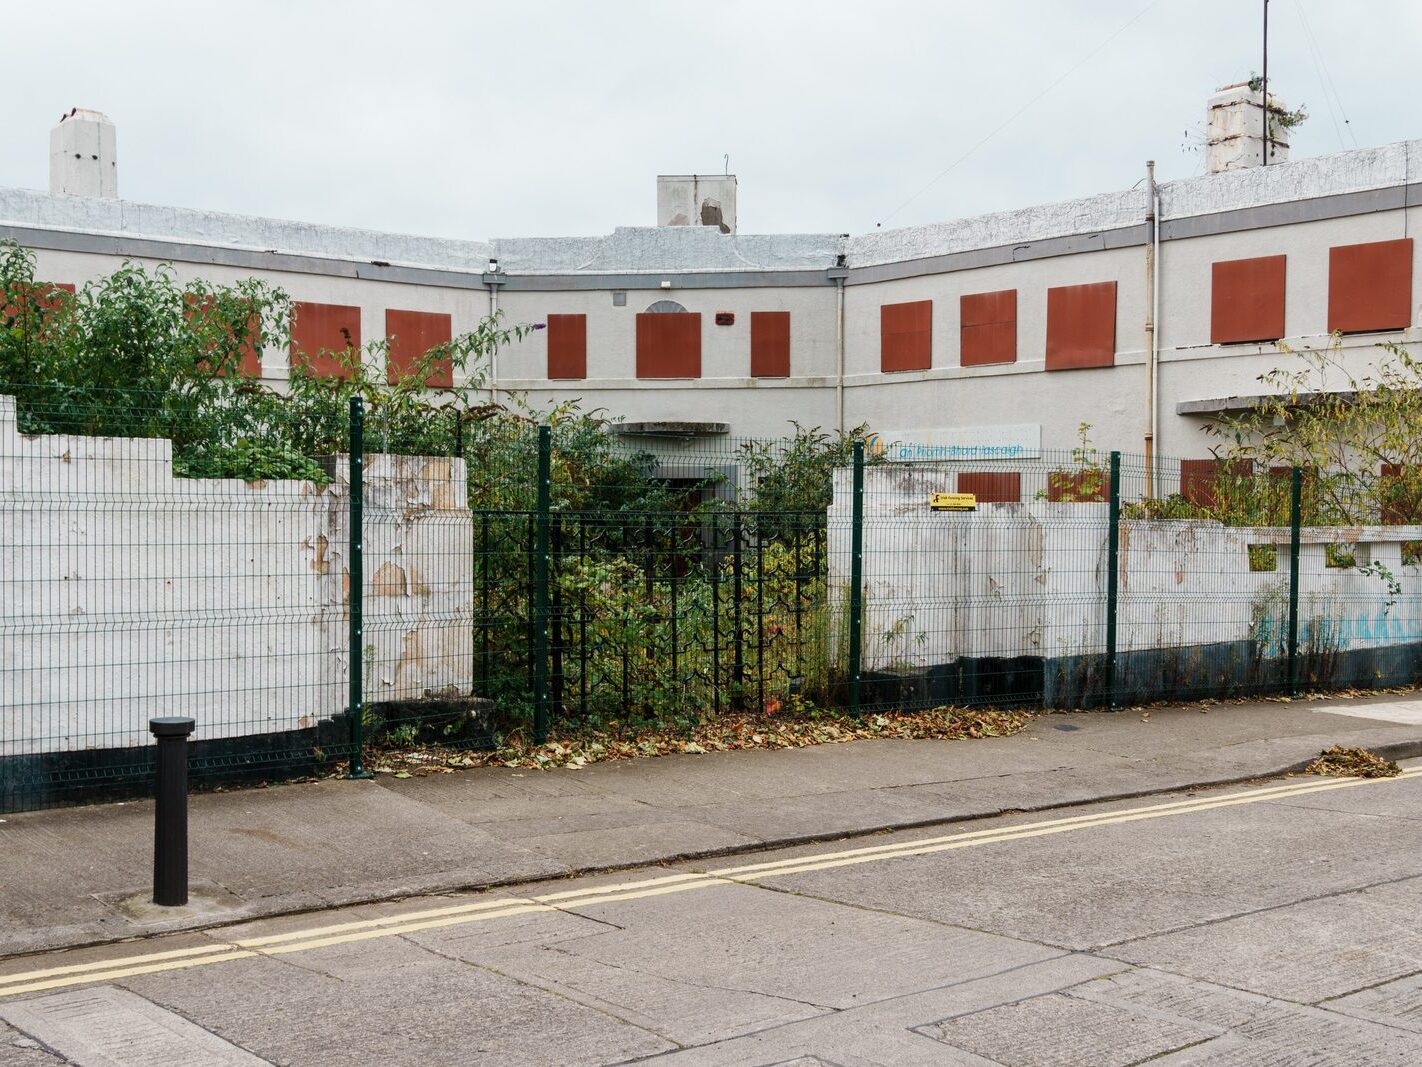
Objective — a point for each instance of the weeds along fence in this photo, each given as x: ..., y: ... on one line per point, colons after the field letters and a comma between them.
x: 371, y: 581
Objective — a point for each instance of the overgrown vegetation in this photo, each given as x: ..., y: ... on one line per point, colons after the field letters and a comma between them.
x: 1350, y: 427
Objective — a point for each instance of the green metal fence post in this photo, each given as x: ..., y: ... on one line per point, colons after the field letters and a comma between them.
x: 1113, y: 577
x: 856, y: 579
x: 1295, y: 526
x: 540, y: 586
x: 356, y: 639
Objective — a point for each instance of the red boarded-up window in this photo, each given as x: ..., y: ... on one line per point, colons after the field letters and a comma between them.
x: 412, y: 334
x: 1199, y: 478
x: 567, y: 346
x: 906, y: 336
x: 988, y: 333
x: 669, y: 344
x: 1090, y: 485
x: 770, y: 344
x: 1247, y: 300
x: 992, y: 487
x: 319, y: 333
x: 1370, y: 286
x: 1401, y: 495
x: 201, y: 310
x: 1081, y: 326
x: 26, y: 306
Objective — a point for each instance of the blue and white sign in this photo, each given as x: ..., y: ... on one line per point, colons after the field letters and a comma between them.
x: 958, y: 443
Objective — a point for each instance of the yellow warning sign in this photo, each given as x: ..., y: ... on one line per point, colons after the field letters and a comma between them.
x: 953, y: 502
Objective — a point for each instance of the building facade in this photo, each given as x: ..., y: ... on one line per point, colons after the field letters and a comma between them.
x: 1141, y: 312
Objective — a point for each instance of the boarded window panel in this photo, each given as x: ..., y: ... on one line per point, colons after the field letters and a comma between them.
x: 249, y: 356
x: 1247, y: 300
x: 770, y: 344
x: 1199, y: 478
x: 411, y: 335
x: 319, y: 333
x: 567, y: 346
x: 1090, y: 485
x: 1081, y: 326
x: 988, y: 331
x: 992, y: 487
x: 1401, y: 495
x: 43, y: 298
x: 669, y: 344
x: 906, y: 336
x: 1370, y: 286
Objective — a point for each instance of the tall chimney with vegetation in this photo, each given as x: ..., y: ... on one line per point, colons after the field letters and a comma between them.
x: 83, y: 155
x: 1235, y: 128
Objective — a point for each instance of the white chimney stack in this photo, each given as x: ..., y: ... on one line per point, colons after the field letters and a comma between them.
x: 697, y: 200
x: 1234, y: 130
x: 83, y: 157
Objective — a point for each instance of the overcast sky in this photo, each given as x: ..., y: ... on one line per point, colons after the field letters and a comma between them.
x: 549, y: 117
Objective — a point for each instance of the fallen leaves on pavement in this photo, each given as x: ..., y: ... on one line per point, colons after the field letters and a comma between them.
x: 1340, y: 762
x: 769, y: 731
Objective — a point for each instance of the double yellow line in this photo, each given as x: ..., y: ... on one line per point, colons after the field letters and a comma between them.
x: 36, y: 981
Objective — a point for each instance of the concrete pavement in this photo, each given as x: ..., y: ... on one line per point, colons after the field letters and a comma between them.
x: 1265, y: 924
x: 81, y: 875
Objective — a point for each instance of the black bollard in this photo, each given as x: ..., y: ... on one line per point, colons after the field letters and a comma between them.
x: 170, y: 821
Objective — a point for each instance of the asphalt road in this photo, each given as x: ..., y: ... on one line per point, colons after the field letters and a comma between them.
x: 1261, y: 925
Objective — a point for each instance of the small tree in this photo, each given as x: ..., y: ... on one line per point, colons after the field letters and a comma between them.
x: 1357, y: 434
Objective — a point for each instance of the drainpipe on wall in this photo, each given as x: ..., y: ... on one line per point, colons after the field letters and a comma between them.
x: 1152, y: 306
x: 837, y: 275
x: 493, y: 278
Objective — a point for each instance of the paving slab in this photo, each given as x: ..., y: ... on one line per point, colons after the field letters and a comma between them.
x: 323, y: 1009
x: 107, y: 1027
x: 1355, y: 941
x: 66, y: 874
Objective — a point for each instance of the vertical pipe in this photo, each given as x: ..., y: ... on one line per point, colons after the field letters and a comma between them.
x: 856, y: 579
x: 170, y: 816
x: 540, y: 586
x: 494, y: 351
x: 356, y: 595
x: 1295, y: 527
x: 1113, y: 575
x: 839, y: 353
x: 1150, y: 307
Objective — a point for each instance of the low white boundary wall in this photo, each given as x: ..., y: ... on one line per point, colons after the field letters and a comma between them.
x: 127, y: 593
x: 1029, y: 579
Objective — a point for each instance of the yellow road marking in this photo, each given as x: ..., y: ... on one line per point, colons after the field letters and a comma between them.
x: 1270, y: 793
x: 362, y: 924
x: 461, y: 914
x: 120, y: 971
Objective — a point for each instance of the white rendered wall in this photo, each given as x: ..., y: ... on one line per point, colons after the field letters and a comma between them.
x: 129, y: 593
x: 1030, y: 579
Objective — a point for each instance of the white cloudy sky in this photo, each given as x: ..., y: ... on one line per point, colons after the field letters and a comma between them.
x: 545, y: 117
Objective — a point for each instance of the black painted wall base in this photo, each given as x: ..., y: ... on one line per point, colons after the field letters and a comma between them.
x: 1198, y: 672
